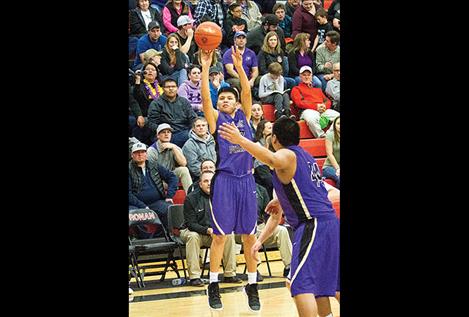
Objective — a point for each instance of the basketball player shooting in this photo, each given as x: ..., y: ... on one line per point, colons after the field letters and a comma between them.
x: 233, y: 192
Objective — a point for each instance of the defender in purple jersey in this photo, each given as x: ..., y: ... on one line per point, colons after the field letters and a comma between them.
x: 233, y: 190
x: 303, y: 198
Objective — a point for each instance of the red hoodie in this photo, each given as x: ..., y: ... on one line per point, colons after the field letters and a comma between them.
x: 305, y: 97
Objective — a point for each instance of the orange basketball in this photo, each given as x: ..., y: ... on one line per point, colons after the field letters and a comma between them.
x: 208, y: 35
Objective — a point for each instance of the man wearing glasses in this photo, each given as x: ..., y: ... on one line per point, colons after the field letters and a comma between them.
x: 234, y: 23
x: 174, y: 110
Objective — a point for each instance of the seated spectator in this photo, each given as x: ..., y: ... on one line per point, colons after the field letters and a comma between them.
x: 206, y: 165
x: 145, y: 93
x: 216, y: 83
x: 250, y: 65
x: 146, y: 189
x: 257, y: 114
x: 255, y: 37
x: 303, y: 19
x: 234, y: 23
x: 323, y: 27
x: 312, y: 103
x: 153, y: 56
x: 173, y: 61
x: 185, y: 34
x: 174, y: 110
x: 301, y: 55
x: 172, y: 11
x: 271, y: 52
x: 197, y: 232
x: 331, y: 167
x: 141, y: 16
x: 280, y: 235
x: 271, y: 90
x: 200, y: 146
x: 327, y: 54
x: 251, y: 13
x: 169, y: 155
x: 190, y: 89
x: 333, y: 88
x: 153, y: 39
x: 285, y: 22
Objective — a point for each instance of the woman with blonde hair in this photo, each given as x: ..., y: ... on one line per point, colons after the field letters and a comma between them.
x: 173, y: 61
x: 270, y: 52
x: 300, y: 54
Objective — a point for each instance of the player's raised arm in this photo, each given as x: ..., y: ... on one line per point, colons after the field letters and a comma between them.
x: 210, y: 114
x: 245, y: 94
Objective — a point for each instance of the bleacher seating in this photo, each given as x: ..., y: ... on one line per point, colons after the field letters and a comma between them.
x: 268, y: 112
x: 179, y: 197
x: 305, y: 132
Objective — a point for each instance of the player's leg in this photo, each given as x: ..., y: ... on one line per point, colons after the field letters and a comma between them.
x: 324, y: 306
x: 251, y: 288
x: 306, y: 305
x: 216, y: 253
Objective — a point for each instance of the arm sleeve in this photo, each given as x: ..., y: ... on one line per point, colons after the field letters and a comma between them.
x: 167, y: 21
x: 191, y: 218
x: 153, y: 116
x: 192, y: 158
x: 170, y: 178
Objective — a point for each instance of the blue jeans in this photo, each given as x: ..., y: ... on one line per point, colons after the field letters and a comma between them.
x: 289, y: 82
x: 323, y: 82
x: 329, y: 172
x: 179, y: 76
x: 179, y: 138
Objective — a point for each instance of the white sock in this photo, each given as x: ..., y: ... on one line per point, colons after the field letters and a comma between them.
x: 330, y: 315
x: 252, y: 278
x: 213, y: 277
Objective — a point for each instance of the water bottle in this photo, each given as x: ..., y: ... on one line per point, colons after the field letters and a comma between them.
x: 178, y: 281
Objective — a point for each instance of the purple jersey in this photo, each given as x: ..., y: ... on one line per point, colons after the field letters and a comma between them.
x: 232, y: 158
x: 305, y: 197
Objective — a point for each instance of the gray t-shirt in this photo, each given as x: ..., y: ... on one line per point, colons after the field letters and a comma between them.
x: 335, y: 148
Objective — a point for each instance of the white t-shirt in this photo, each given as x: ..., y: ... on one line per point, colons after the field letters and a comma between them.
x: 146, y: 17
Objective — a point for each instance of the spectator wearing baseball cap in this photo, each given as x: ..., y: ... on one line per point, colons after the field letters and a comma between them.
x: 146, y: 189
x: 172, y: 11
x: 185, y: 33
x: 256, y: 36
x: 313, y: 105
x: 153, y: 39
x: 169, y: 155
x: 234, y: 23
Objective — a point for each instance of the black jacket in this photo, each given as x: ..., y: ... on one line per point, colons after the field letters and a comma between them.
x: 137, y: 23
x: 197, y: 212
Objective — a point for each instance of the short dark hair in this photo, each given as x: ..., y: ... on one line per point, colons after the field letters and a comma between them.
x: 205, y: 160
x: 163, y: 83
x: 321, y: 13
x: 287, y: 131
x: 278, y: 5
x: 233, y: 90
x: 198, y: 119
x: 334, y: 36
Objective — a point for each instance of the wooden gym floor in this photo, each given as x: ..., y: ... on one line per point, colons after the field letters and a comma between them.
x: 164, y: 299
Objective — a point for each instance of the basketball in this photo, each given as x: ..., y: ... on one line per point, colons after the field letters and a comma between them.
x: 208, y: 35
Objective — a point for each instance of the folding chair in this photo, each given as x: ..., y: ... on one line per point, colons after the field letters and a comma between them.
x: 152, y: 246
x: 175, y: 222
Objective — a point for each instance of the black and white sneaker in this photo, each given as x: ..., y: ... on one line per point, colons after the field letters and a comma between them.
x: 214, y: 298
x: 252, y: 294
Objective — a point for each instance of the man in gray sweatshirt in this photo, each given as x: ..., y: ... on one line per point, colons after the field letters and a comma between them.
x: 200, y: 146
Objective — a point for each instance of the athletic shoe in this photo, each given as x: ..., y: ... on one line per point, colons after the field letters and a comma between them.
x: 253, y: 297
x: 214, y: 298
x: 232, y: 279
x: 286, y: 270
x: 259, y: 277
x: 196, y: 282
